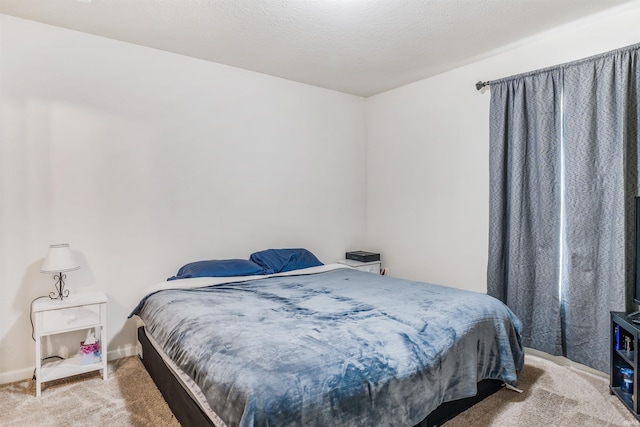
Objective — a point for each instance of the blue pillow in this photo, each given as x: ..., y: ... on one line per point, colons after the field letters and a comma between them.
x: 219, y: 268
x: 280, y: 260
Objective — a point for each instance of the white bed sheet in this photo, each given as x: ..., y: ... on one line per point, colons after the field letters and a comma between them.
x: 198, y: 282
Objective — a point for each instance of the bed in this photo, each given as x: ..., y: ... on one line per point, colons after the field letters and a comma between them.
x: 325, y: 345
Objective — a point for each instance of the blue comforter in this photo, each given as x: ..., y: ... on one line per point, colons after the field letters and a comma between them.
x: 339, y: 348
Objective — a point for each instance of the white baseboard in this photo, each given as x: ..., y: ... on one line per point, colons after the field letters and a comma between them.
x: 17, y: 375
x: 126, y: 351
x: 563, y: 361
x: 27, y: 373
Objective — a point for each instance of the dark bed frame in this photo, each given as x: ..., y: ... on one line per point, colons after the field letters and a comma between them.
x: 189, y: 413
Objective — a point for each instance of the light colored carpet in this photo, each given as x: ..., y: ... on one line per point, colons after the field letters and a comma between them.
x: 127, y: 398
x: 554, y: 396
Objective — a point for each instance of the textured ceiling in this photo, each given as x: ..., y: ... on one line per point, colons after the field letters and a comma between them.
x: 362, y: 47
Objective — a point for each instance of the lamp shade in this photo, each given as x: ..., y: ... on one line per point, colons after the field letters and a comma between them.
x: 59, y: 259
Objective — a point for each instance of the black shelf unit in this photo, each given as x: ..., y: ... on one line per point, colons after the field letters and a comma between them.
x: 621, y: 358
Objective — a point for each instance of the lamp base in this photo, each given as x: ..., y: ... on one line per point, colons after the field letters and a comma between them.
x: 62, y: 293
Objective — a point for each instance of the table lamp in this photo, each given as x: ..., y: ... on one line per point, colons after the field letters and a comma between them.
x: 59, y: 260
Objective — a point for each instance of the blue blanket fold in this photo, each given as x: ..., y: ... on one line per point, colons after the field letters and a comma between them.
x: 342, y: 347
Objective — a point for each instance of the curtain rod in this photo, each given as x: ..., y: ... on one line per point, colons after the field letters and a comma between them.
x: 482, y: 84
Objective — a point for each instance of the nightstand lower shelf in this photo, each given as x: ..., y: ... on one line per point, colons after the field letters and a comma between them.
x: 56, y: 369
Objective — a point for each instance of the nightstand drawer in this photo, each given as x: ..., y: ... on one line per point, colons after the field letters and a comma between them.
x: 369, y: 267
x: 65, y: 319
x: 373, y: 268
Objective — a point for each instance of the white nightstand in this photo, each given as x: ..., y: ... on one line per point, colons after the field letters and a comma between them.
x: 369, y: 267
x: 77, y: 312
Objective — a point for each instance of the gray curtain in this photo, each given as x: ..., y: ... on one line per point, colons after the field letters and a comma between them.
x: 564, y: 160
x: 525, y: 155
x: 600, y: 131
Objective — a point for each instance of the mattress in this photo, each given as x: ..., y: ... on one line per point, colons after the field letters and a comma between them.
x: 332, y: 346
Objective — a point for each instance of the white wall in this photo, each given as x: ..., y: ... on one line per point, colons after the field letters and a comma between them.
x: 144, y: 160
x: 428, y: 151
